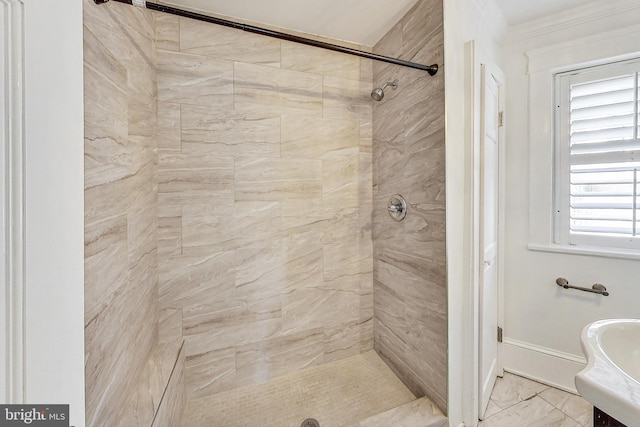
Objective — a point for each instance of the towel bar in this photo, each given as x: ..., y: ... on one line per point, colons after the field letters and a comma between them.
x: 597, y: 288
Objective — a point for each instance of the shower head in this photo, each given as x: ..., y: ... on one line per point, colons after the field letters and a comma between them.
x: 378, y: 93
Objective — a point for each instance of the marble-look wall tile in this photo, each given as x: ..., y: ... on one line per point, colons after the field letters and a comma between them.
x: 108, y: 133
x: 259, y: 361
x: 344, y: 98
x: 142, y: 230
x: 226, y: 321
x: 169, y: 127
x: 366, y: 128
x: 424, y: 26
x: 366, y: 109
x: 167, y: 31
x: 348, y: 340
x: 409, y: 292
x: 139, y: 30
x: 340, y: 177
x: 159, y: 395
x: 229, y: 225
x: 117, y: 343
x: 366, y: 306
x: 306, y: 309
x: 277, y: 179
x: 430, y: 270
x: 305, y: 215
x: 365, y: 181
x: 424, y: 123
x: 192, y: 282
x: 302, y: 259
x: 308, y: 59
x: 194, y: 79
x: 264, y: 219
x: 101, y: 60
x: 266, y: 169
x: 169, y: 231
x: 400, y: 282
x: 232, y: 331
x: 389, y: 45
x: 217, y: 41
x: 230, y: 133
x: 269, y: 89
x: 101, y: 22
x: 143, y: 121
x: 260, y: 282
x: 210, y: 373
x: 105, y: 243
x: 343, y: 259
x: 174, y: 400
x: 366, y: 70
x: 199, y: 179
x: 426, y: 232
x: 342, y: 224
x: 107, y: 199
x: 121, y: 218
x: 313, y: 137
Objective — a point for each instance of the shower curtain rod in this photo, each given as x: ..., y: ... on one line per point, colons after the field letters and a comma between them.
x: 431, y: 69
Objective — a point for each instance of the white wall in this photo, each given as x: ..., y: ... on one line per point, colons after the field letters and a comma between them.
x: 543, y: 321
x: 464, y: 21
x: 54, y: 117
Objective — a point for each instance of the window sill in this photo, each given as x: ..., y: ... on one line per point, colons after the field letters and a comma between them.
x: 587, y: 251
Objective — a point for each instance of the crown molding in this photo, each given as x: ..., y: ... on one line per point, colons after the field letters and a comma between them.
x: 587, y: 14
x: 615, y: 45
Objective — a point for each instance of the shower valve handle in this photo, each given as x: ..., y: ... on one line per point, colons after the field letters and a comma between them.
x: 397, y: 207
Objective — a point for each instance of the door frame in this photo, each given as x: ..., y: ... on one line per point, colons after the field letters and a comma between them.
x: 43, y: 243
x: 12, y: 193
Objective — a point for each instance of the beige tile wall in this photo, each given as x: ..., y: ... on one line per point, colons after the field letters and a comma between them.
x: 127, y: 366
x: 121, y: 303
x: 410, y: 298
x: 264, y: 191
x: 229, y: 176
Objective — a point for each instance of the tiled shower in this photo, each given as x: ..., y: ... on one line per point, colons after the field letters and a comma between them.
x: 235, y: 210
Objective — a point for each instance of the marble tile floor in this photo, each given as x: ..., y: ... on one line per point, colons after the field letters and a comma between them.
x: 519, y: 402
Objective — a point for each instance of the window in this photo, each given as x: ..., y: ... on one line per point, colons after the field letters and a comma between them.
x: 597, y: 168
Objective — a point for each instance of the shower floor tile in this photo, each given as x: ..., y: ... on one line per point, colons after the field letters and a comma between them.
x: 339, y: 393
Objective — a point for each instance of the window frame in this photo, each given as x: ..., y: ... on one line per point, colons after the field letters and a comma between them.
x: 541, y: 64
x: 562, y: 164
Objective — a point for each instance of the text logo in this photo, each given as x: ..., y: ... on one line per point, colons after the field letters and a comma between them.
x: 34, y: 415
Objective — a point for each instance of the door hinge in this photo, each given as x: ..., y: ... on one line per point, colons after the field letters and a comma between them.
x: 501, y: 118
x: 499, y: 334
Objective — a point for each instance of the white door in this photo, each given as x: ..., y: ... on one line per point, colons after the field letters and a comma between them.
x: 489, y: 236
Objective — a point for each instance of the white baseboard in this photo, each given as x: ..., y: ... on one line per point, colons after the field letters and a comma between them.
x: 541, y: 364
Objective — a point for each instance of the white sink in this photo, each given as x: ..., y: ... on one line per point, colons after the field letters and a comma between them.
x: 611, y: 379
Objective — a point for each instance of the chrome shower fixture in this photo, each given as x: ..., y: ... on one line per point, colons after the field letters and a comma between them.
x: 378, y: 93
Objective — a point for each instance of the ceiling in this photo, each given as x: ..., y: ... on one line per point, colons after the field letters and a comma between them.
x: 519, y: 11
x: 362, y: 22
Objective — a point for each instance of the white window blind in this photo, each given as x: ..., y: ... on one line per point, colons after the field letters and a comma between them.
x: 598, y: 172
